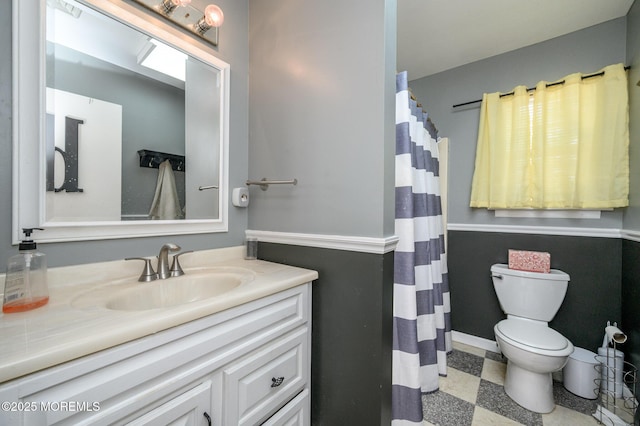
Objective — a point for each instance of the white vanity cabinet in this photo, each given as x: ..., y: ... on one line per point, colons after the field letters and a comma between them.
x: 247, y: 365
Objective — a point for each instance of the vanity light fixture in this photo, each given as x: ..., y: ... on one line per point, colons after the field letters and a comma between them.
x: 203, y: 24
x: 212, y: 18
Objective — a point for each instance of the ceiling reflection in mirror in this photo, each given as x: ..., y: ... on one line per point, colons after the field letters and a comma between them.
x: 119, y: 143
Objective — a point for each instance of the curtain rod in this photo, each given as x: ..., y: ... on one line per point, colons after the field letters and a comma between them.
x: 597, y: 74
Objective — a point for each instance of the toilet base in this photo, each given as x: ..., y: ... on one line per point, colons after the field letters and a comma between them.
x: 533, y: 391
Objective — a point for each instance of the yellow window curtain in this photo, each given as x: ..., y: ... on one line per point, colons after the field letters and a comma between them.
x: 562, y: 146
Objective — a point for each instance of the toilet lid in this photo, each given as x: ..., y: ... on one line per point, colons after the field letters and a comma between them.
x: 532, y: 334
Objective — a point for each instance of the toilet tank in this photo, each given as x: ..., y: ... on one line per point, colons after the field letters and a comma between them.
x: 533, y: 295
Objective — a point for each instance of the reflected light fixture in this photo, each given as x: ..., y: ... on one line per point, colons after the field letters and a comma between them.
x: 168, y: 6
x: 203, y: 24
x: 163, y: 58
x: 66, y: 7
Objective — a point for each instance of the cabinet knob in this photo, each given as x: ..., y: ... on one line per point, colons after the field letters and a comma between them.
x: 275, y: 382
x: 208, y: 417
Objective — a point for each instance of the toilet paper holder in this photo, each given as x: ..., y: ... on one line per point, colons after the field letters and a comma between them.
x: 612, y: 334
x: 617, y: 382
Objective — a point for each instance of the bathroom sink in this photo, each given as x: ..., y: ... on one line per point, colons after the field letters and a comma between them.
x: 172, y: 292
x: 196, y: 285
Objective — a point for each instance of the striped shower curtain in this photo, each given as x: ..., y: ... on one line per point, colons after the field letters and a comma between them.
x: 421, y: 311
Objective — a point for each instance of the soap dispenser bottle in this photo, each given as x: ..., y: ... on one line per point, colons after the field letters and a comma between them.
x: 26, y: 280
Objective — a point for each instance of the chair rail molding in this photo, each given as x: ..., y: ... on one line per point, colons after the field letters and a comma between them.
x: 631, y: 235
x: 544, y: 230
x: 374, y: 245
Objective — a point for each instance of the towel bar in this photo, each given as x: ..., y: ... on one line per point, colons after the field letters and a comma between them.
x: 202, y: 188
x: 264, y: 183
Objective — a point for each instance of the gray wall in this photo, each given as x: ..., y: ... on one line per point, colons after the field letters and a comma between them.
x: 593, y: 296
x: 631, y: 249
x: 351, y: 333
x: 631, y: 301
x: 632, y: 215
x: 582, y: 51
x: 322, y: 110
x: 233, y: 48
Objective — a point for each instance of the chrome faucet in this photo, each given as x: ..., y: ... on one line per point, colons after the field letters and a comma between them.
x: 163, y: 260
x: 164, y: 271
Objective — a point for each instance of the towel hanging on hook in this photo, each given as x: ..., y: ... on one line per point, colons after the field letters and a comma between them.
x: 165, y: 204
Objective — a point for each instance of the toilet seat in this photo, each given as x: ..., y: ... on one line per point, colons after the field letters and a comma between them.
x: 533, y: 337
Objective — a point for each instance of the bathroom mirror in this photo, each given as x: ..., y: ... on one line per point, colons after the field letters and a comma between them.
x: 105, y: 144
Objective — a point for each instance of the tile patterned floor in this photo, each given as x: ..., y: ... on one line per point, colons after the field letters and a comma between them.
x: 473, y: 394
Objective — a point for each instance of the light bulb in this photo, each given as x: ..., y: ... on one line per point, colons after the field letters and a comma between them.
x: 213, y: 15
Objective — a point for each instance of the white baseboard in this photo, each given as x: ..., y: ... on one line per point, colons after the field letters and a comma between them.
x: 478, y: 342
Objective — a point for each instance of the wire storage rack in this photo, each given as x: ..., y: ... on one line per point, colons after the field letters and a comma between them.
x: 617, y: 380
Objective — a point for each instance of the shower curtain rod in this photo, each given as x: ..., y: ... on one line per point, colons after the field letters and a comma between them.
x: 584, y: 77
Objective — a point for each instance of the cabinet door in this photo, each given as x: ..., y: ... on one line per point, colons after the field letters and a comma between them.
x: 191, y: 408
x: 261, y: 383
x: 295, y: 413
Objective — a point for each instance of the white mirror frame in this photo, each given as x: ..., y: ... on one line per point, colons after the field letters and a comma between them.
x: 29, y: 47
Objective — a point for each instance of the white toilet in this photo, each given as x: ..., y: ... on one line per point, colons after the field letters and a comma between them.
x: 533, y: 350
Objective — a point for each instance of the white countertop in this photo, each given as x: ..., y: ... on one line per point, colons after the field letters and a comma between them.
x: 59, y: 332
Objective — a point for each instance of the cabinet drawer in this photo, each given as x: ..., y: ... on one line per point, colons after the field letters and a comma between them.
x: 295, y: 413
x: 264, y: 381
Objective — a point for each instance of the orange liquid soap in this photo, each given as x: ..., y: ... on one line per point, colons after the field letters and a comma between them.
x: 22, y: 306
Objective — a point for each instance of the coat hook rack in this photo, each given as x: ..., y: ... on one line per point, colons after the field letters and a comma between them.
x: 264, y: 183
x: 153, y: 159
